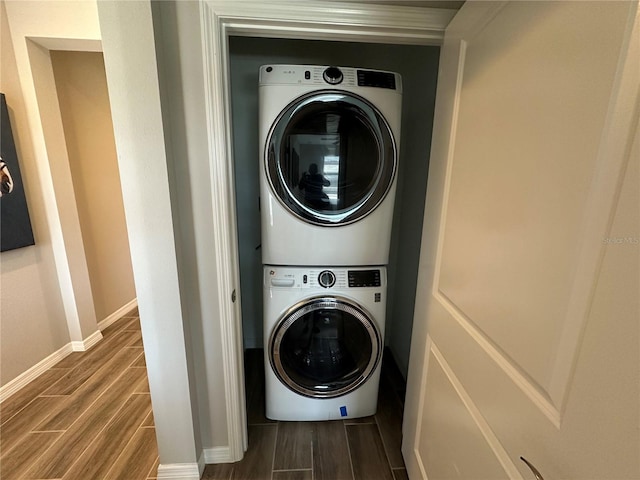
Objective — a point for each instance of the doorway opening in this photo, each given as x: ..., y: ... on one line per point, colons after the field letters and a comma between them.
x: 418, y: 66
x: 83, y: 99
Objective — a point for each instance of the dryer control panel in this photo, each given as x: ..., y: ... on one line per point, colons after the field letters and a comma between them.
x: 324, y: 278
x: 329, y: 76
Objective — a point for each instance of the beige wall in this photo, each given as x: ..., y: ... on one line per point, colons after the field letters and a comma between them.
x: 86, y: 117
x: 32, y: 317
x: 47, y: 302
x: 35, y: 28
x: 46, y: 295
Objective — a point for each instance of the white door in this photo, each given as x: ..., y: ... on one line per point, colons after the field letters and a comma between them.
x: 526, y: 331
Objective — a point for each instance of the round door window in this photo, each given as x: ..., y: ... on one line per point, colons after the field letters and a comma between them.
x: 325, y: 347
x: 331, y: 158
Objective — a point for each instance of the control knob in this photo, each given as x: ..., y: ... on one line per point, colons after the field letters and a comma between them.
x: 333, y: 75
x: 327, y: 279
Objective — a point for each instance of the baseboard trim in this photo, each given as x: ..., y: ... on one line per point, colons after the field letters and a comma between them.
x: 87, y: 343
x: 39, y: 368
x: 118, y: 314
x: 34, y: 372
x: 179, y: 471
x: 217, y: 455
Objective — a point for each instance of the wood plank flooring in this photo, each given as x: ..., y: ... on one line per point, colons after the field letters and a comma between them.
x: 358, y: 449
x: 89, y: 417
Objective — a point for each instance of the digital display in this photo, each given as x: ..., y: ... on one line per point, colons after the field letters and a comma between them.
x: 364, y: 278
x: 369, y: 78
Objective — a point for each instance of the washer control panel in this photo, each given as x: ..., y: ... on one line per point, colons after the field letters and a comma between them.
x: 364, y: 278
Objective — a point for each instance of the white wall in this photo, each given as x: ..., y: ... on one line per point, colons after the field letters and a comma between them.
x: 132, y: 75
x: 182, y: 87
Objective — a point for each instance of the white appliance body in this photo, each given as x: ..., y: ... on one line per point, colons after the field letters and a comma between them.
x: 328, y: 164
x: 323, y: 345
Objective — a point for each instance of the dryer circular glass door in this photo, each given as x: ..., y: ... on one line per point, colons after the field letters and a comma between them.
x: 330, y: 158
x: 325, y: 347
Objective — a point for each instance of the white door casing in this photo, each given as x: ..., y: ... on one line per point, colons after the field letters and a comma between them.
x: 536, y: 113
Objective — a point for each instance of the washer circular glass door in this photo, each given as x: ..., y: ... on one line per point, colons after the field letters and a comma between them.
x: 330, y: 157
x: 325, y: 347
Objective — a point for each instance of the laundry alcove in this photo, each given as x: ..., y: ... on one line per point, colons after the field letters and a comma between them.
x: 418, y: 66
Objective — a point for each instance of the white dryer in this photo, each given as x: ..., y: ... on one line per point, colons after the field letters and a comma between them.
x: 329, y: 140
x: 324, y: 335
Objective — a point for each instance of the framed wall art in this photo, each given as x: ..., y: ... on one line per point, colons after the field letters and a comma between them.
x: 15, y: 224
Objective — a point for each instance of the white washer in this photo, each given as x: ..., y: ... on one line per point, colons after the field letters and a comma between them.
x: 324, y: 337
x: 329, y: 139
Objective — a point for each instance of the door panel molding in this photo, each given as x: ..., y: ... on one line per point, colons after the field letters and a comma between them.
x: 526, y: 416
x: 535, y: 392
x: 475, y: 420
x: 449, y: 84
x: 597, y: 214
x: 613, y: 156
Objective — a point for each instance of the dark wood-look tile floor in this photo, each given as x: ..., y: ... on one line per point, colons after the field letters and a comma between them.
x: 89, y: 417
x: 358, y: 449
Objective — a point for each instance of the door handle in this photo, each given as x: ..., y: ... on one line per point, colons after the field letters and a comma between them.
x: 535, y: 471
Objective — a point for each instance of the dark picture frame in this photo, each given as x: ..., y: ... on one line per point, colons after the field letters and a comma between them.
x: 15, y: 223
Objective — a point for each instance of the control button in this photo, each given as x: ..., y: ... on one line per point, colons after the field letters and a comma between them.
x: 269, y: 69
x: 332, y: 75
x: 304, y: 279
x: 307, y: 75
x: 327, y: 279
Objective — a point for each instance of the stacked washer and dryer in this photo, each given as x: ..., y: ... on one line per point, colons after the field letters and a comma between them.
x: 329, y: 141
